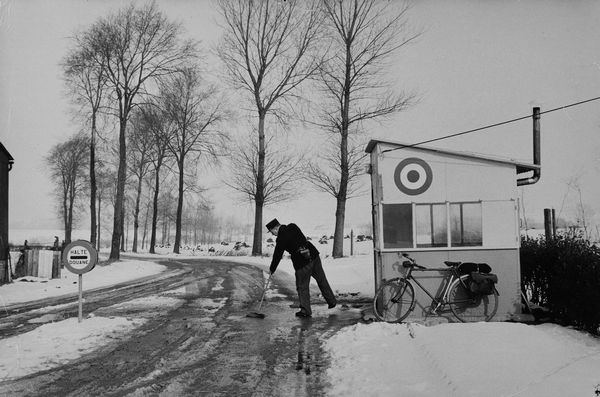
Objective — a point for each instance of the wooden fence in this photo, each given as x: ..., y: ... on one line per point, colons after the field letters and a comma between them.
x: 40, y: 263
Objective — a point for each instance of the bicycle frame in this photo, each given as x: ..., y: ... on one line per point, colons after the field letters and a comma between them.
x: 441, y: 298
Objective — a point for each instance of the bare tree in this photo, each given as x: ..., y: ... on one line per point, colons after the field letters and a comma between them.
x: 105, y: 186
x: 281, y: 180
x: 139, y: 160
x: 205, y: 222
x: 67, y: 162
x: 196, y: 112
x: 148, y: 205
x: 167, y: 209
x: 135, y: 46
x: 86, y: 84
x: 160, y: 134
x: 363, y: 34
x: 324, y: 171
x: 127, y: 203
x: 197, y: 217
x: 583, y: 213
x: 267, y: 51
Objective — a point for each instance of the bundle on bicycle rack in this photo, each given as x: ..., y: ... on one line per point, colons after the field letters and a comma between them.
x: 483, y: 282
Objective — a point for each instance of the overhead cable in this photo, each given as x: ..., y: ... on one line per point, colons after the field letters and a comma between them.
x: 491, y: 125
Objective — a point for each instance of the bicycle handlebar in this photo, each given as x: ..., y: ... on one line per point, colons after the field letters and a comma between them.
x: 411, y: 262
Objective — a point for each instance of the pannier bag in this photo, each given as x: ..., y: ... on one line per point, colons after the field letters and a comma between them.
x: 469, y: 267
x: 483, y: 283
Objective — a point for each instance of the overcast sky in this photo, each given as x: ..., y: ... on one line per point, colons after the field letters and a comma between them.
x: 477, y: 63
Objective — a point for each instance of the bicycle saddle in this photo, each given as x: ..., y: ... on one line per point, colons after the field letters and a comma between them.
x: 452, y: 264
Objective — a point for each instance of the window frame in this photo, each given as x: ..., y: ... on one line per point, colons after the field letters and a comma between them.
x: 461, y: 204
x: 432, y: 224
x: 382, y: 228
x: 448, y: 245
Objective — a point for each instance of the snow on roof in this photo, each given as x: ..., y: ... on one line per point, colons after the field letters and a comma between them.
x: 521, y: 166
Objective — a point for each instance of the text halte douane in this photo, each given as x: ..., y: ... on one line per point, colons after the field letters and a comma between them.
x: 78, y: 262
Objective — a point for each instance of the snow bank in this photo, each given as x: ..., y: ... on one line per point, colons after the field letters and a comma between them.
x: 31, y: 288
x: 54, y: 344
x: 476, y: 359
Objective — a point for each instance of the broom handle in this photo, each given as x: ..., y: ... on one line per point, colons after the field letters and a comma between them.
x: 264, y: 291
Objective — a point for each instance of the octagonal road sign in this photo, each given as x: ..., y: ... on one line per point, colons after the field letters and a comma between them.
x: 80, y: 257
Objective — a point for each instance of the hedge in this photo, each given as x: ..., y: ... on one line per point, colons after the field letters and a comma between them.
x: 562, y: 274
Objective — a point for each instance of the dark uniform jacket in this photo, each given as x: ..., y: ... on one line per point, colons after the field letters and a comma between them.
x: 290, y: 238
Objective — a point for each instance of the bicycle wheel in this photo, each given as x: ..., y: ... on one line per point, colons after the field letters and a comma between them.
x: 470, y: 307
x: 394, y: 300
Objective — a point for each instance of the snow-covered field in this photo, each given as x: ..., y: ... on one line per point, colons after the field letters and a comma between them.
x: 377, y: 359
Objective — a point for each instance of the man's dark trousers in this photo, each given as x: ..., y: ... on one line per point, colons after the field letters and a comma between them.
x: 314, y: 269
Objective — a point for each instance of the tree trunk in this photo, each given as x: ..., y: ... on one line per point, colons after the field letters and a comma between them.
x: 260, y: 188
x: 65, y: 210
x: 145, y: 226
x: 179, y: 209
x: 168, y: 232
x: 340, y: 211
x: 118, y: 216
x: 195, y: 231
x: 93, y: 187
x: 99, y: 206
x: 163, y: 233
x: 123, y: 249
x: 136, y: 214
x: 69, y: 229
x: 155, y: 208
x: 338, y: 236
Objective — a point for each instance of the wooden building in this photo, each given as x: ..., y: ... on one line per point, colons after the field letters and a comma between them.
x: 440, y: 205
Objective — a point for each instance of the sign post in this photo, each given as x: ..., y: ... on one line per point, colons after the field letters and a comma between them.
x: 80, y: 257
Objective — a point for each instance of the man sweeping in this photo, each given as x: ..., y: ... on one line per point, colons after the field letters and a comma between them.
x: 306, y: 261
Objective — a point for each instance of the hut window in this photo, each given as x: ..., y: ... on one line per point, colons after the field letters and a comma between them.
x: 397, y: 226
x: 465, y: 224
x: 431, y: 224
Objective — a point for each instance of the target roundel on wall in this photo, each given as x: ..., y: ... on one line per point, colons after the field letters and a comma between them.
x: 413, y: 176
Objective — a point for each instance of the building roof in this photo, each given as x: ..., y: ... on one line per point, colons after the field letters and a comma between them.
x: 521, y: 166
x: 3, y: 149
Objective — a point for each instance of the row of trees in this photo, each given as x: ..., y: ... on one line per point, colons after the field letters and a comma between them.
x: 271, y: 49
x: 68, y: 164
x: 133, y: 70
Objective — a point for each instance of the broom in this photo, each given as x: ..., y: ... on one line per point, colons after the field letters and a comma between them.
x: 257, y: 313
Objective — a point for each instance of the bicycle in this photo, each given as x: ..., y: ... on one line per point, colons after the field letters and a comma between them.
x: 395, y: 299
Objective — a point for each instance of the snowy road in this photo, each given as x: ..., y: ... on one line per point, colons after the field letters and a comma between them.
x: 191, y: 337
x: 20, y: 318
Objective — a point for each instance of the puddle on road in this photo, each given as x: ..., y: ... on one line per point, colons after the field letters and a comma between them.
x: 192, y: 288
x: 293, y: 346
x: 273, y: 293
x: 218, y: 285
x: 47, y: 318
x: 146, y: 307
x: 196, y: 288
x: 210, y: 305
